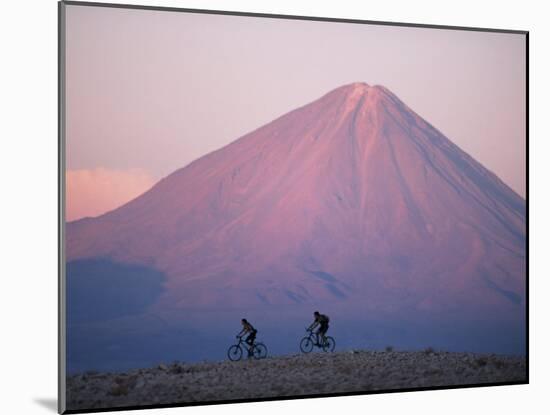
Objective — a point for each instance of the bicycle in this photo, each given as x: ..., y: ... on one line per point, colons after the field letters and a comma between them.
x: 257, y: 349
x: 307, y: 343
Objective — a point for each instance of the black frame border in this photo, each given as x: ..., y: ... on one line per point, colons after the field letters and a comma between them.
x: 61, y: 201
x: 289, y: 17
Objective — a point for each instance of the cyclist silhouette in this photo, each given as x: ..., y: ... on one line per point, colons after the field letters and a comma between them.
x: 248, y: 328
x: 320, y: 320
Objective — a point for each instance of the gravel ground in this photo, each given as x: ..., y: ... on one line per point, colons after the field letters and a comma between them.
x: 316, y: 373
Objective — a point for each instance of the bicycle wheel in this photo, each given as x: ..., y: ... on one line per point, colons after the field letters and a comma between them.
x: 260, y: 351
x: 306, y: 345
x: 329, y: 345
x: 235, y: 353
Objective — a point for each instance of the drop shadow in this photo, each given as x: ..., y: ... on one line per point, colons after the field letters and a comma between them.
x: 48, y: 403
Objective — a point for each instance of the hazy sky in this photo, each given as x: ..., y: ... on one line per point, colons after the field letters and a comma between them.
x: 150, y: 91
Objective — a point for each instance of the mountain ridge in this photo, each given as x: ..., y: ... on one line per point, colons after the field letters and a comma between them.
x: 361, y: 86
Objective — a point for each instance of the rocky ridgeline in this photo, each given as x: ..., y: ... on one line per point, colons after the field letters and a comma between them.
x: 317, y: 373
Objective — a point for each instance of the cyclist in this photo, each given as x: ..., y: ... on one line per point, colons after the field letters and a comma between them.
x: 248, y: 328
x: 322, y: 321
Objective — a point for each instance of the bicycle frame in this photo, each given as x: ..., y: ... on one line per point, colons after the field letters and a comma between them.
x: 315, y: 337
x: 243, y: 342
x: 256, y: 349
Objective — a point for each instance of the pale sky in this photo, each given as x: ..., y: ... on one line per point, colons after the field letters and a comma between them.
x: 150, y: 91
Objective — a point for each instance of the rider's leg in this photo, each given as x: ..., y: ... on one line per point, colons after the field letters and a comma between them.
x: 323, y: 332
x: 250, y: 341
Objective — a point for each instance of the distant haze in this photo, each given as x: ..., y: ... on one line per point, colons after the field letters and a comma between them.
x: 92, y: 192
x: 148, y: 91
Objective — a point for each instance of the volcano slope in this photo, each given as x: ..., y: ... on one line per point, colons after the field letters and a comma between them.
x: 352, y: 204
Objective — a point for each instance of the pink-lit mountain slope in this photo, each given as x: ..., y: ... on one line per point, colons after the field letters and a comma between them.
x: 352, y: 199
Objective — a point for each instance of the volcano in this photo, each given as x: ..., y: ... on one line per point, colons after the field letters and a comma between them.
x: 352, y: 201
